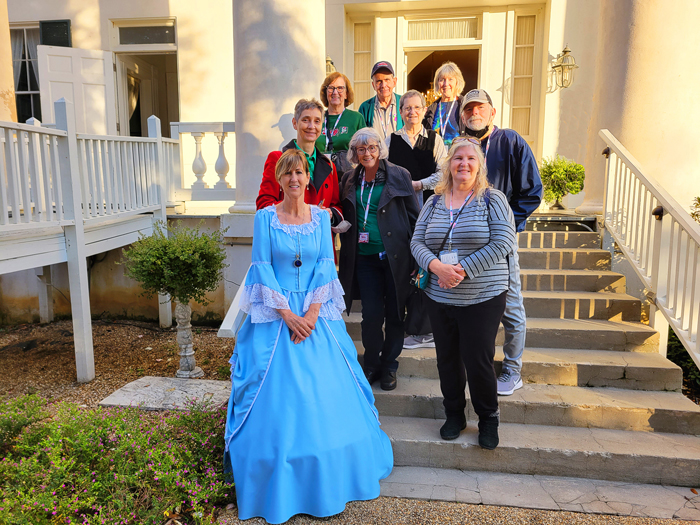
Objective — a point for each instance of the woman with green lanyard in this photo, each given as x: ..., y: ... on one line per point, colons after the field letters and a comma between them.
x: 375, y: 258
x: 443, y: 114
x: 339, y: 123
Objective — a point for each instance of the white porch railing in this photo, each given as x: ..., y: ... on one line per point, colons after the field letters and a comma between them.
x: 30, y: 180
x: 661, y: 241
x: 202, y: 190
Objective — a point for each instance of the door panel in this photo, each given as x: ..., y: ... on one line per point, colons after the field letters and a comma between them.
x: 84, y: 77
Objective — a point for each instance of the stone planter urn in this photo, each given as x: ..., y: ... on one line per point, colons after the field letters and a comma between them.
x: 188, y: 367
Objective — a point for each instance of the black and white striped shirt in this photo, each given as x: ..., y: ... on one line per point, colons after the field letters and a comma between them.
x: 484, y: 235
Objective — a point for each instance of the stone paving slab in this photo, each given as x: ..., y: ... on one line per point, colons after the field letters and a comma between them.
x: 168, y: 393
x: 543, y: 492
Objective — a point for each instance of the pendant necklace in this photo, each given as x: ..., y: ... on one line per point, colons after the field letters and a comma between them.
x: 297, y: 258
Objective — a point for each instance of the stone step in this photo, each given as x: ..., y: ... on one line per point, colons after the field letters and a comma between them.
x: 572, y: 280
x: 615, y: 455
x: 552, y: 239
x: 590, y: 334
x: 582, y: 305
x: 566, y: 406
x: 564, y: 259
x: 558, y: 366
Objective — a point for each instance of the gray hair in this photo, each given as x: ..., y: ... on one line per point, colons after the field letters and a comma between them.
x: 365, y: 137
x: 449, y: 69
x: 410, y: 94
x: 305, y: 104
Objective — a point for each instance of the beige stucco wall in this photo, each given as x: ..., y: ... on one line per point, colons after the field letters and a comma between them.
x: 204, y: 40
x: 8, y: 108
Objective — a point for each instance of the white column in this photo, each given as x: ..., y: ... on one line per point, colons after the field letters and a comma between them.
x: 279, y: 56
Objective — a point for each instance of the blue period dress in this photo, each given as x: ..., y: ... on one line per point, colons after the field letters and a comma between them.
x: 302, y: 433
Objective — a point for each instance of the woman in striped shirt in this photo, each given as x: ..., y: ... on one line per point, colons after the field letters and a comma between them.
x: 463, y: 236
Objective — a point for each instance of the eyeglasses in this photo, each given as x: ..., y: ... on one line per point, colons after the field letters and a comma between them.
x: 417, y: 109
x: 339, y: 89
x: 472, y: 140
x: 364, y: 149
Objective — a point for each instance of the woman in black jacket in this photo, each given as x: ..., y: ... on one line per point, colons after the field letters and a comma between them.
x: 375, y: 255
x: 443, y: 114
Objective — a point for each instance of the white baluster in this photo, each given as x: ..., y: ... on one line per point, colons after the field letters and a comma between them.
x: 221, y: 165
x: 199, y: 167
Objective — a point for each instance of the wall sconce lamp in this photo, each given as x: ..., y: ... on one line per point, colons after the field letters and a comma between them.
x: 330, y: 66
x: 564, y: 67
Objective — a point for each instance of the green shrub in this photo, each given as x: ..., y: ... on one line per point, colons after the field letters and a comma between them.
x: 561, y: 176
x: 695, y: 209
x: 16, y: 415
x: 115, y: 466
x: 677, y: 353
x: 184, y: 263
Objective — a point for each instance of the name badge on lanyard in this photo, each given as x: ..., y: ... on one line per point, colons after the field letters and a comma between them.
x: 363, y: 236
x: 449, y: 257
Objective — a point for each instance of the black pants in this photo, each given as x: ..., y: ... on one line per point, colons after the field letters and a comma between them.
x: 379, y: 307
x: 465, y: 338
x: 417, y: 320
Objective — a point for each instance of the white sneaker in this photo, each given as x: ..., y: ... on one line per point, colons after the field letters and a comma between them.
x: 508, y: 382
x: 419, y: 341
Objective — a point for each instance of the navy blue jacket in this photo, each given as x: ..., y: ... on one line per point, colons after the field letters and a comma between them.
x: 512, y: 169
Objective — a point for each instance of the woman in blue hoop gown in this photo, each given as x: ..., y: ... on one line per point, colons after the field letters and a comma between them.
x: 302, y: 433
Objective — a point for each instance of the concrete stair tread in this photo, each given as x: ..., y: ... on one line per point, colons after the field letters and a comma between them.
x: 552, y: 239
x: 560, y: 395
x: 616, y: 455
x: 555, y: 271
x: 581, y: 295
x: 567, y: 406
x: 565, y: 356
x: 588, y: 324
x: 570, y: 250
x: 545, y: 437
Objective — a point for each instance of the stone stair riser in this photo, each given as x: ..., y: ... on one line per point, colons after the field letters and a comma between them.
x: 548, y: 462
x: 530, y: 239
x: 549, y: 413
x: 589, y: 281
x: 621, y: 309
x: 564, y: 259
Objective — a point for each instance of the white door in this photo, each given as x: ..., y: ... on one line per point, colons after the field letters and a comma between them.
x: 84, y: 77
x: 132, y: 69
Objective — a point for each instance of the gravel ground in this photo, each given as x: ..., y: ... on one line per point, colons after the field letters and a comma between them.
x: 397, y: 511
x: 40, y: 359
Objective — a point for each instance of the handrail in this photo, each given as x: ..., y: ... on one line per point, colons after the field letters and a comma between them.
x: 660, y: 240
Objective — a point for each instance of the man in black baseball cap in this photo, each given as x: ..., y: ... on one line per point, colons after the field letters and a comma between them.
x: 381, y: 112
x: 512, y: 169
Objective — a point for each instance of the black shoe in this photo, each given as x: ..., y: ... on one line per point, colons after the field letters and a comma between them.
x: 388, y: 380
x: 372, y: 375
x: 488, y: 433
x: 452, y: 427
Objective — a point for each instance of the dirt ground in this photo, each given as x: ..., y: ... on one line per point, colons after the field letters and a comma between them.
x: 40, y: 358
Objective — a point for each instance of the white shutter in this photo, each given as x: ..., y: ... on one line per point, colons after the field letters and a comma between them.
x: 86, y: 78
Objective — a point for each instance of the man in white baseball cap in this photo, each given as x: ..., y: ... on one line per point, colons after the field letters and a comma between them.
x: 512, y: 169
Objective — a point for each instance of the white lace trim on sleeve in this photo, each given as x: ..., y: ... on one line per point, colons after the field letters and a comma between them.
x: 330, y: 295
x: 262, y: 303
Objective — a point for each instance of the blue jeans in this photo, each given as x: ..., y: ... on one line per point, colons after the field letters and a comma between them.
x: 379, y: 308
x: 514, y: 326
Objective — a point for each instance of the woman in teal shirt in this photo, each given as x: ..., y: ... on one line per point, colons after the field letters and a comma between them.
x: 375, y: 259
x: 339, y: 123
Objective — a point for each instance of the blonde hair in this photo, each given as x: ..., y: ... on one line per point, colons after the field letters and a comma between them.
x: 482, y: 182
x: 449, y: 69
x: 289, y: 160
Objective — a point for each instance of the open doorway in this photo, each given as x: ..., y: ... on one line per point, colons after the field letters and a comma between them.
x: 421, y: 67
x: 147, y: 85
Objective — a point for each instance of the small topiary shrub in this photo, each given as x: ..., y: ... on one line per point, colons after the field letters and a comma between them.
x: 561, y: 176
x: 182, y: 262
